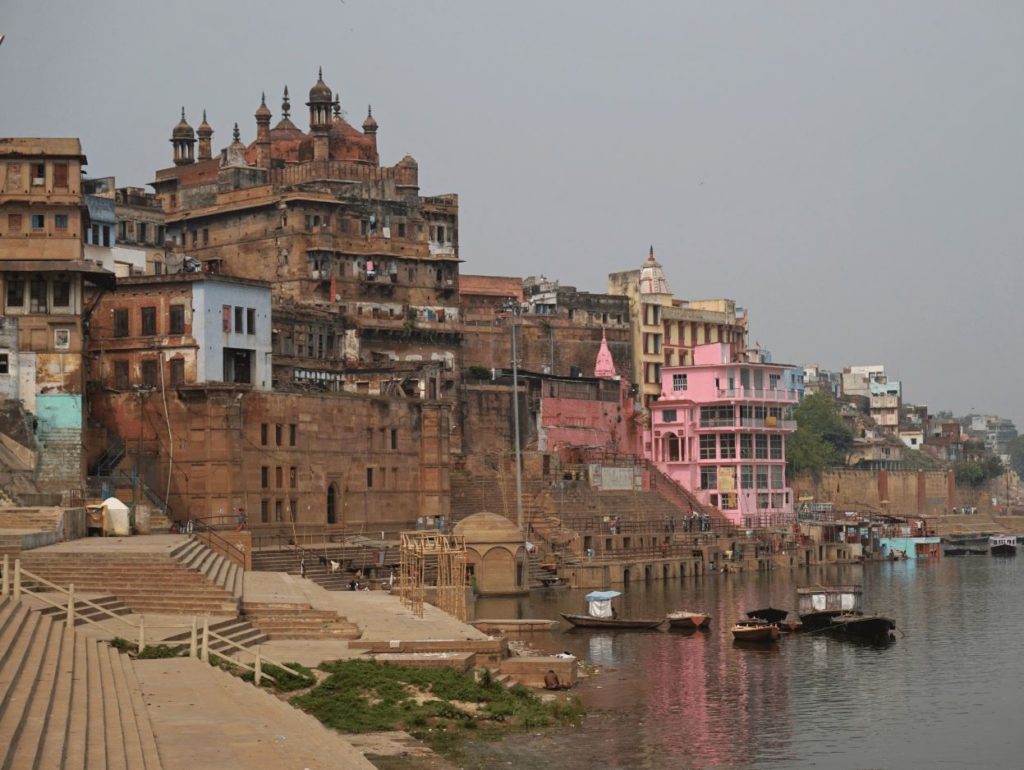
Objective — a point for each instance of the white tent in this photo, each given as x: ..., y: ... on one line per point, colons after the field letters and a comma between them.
x: 117, y: 521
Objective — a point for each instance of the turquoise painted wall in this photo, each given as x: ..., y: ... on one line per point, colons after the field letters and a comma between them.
x: 58, y: 411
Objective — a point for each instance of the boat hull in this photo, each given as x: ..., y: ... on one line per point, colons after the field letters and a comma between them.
x: 812, y: 621
x: 871, y: 628
x: 586, y: 621
x: 689, y: 621
x: 768, y: 614
x: 760, y: 633
x: 1003, y: 550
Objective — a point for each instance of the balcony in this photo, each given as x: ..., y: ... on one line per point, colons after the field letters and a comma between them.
x: 758, y: 394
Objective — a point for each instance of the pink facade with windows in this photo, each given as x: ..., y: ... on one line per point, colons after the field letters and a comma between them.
x: 719, y: 429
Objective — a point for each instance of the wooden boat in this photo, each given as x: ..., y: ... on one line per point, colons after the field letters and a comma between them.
x: 868, y: 628
x: 601, y: 614
x: 819, y: 605
x: 688, y: 620
x: 588, y: 621
x: 768, y: 614
x: 954, y: 551
x: 977, y: 551
x: 1002, y: 545
x: 755, y: 631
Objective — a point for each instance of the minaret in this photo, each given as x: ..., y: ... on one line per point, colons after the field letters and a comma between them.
x: 263, y: 133
x: 183, y: 138
x: 605, y: 367
x: 205, y: 134
x: 370, y: 127
x: 320, y: 116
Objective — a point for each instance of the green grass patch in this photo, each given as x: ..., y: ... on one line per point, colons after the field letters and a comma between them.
x: 283, y: 681
x: 439, y: 706
x: 152, y: 651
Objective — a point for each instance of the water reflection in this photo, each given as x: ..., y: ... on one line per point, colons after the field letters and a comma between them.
x: 948, y: 687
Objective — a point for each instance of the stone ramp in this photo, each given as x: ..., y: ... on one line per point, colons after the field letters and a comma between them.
x: 206, y: 718
x: 67, y: 700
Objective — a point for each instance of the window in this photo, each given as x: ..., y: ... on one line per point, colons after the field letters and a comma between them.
x: 668, y: 415
x: 176, y: 323
x: 761, y: 476
x: 60, y: 221
x: 148, y: 321
x: 37, y: 295
x: 5, y: 363
x: 159, y: 235
x: 150, y: 376
x: 143, y: 232
x: 746, y: 446
x: 61, y: 339
x: 226, y: 318
x: 38, y: 174
x: 239, y: 320
x: 177, y: 372
x: 14, y: 224
x: 773, y: 381
x: 678, y: 382
x: 206, y: 236
x: 776, y: 477
x: 727, y: 446
x: 38, y: 222
x: 707, y: 446
x: 277, y: 511
x: 264, y: 430
x: 264, y: 511
x: 369, y: 478
x: 761, y: 448
x: 293, y: 477
x: 401, y: 229
x: 121, y: 375
x: 394, y: 438
x: 279, y: 476
x: 746, y: 477
x: 277, y: 435
x: 106, y: 235
x: 762, y: 500
x: 709, y: 477
x: 292, y: 430
x: 264, y: 476
x: 293, y: 506
x: 15, y: 292
x: 250, y: 320
x: 94, y: 235
x: 13, y: 176
x: 60, y: 175
x: 673, y: 448
x: 775, y: 447
x: 120, y: 322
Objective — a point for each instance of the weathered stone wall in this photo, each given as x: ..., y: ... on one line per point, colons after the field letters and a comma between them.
x: 896, y: 492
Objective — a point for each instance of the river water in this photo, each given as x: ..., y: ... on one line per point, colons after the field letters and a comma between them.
x: 948, y: 693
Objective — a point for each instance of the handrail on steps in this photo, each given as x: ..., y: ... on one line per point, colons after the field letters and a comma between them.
x: 199, y: 646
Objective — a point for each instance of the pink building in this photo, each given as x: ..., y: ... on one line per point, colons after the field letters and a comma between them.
x: 719, y: 429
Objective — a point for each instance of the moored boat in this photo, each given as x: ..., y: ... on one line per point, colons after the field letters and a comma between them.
x: 688, y: 620
x: 819, y: 605
x: 1002, y: 545
x: 755, y: 631
x: 601, y: 614
x: 768, y: 614
x: 869, y: 628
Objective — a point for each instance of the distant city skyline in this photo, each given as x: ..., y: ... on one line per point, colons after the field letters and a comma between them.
x: 849, y: 173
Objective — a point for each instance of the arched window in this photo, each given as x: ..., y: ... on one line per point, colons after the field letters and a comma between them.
x: 332, y: 506
x: 672, y: 448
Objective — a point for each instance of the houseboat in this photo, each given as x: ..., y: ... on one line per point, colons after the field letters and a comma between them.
x: 818, y: 605
x: 1002, y: 545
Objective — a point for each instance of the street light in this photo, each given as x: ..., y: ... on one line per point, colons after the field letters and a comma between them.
x: 512, y: 306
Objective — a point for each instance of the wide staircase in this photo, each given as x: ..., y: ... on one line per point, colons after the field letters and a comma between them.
x: 191, y: 579
x: 297, y: 621
x: 68, y: 700
x: 315, y: 564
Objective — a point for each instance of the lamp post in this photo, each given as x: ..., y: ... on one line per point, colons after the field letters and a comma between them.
x: 512, y: 306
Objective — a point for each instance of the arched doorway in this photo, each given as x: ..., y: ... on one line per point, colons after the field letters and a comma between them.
x: 332, y: 504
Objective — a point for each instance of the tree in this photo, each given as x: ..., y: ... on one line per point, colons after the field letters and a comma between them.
x: 1017, y: 455
x: 820, y: 439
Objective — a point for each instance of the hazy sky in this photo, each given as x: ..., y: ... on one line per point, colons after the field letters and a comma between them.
x: 847, y: 171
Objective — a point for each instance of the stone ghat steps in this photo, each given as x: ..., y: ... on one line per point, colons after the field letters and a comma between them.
x: 320, y: 573
x: 68, y: 700
x: 220, y: 571
x: 158, y: 584
x: 298, y: 621
x: 238, y: 630
x: 30, y: 518
x: 86, y: 612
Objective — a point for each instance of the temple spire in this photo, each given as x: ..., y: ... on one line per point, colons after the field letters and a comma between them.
x: 605, y: 367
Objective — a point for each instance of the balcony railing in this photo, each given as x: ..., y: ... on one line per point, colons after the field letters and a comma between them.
x: 758, y: 394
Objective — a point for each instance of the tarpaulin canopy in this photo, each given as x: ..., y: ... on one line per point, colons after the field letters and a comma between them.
x: 601, y: 596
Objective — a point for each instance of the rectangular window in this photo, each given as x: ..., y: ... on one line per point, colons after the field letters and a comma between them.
x: 292, y: 430
x: 250, y: 320
x: 143, y: 232
x: 176, y: 322
x: 120, y: 322
x: 148, y: 321
x: 264, y: 511
x: 5, y: 364
x: 761, y: 448
x: 239, y: 320
x: 60, y: 222
x: 278, y: 513
x: 776, y: 477
x: 761, y: 476
x: 709, y: 477
x: 264, y: 430
x: 277, y: 435
x: 159, y: 235
x: 37, y: 296
x: 762, y: 501
x: 776, y: 447
x: 226, y: 318
x: 707, y: 446
x: 293, y: 477
x: 678, y: 382
x: 38, y: 174
x: 206, y: 236
x: 746, y: 446
x: 15, y: 293
x: 369, y: 478
x: 149, y: 374
x: 106, y: 235
x: 746, y: 477
x: 94, y: 235
x: 773, y: 381
x: 264, y: 477
x: 14, y: 224
x: 727, y: 446
x: 177, y: 372
x: 668, y: 415
x: 60, y: 175
x: 279, y: 476
x: 121, y: 375
x: 38, y: 222
x: 293, y: 508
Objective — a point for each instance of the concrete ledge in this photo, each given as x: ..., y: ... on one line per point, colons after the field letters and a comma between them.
x: 460, y: 661
x: 530, y: 671
x: 494, y: 650
x: 515, y: 626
